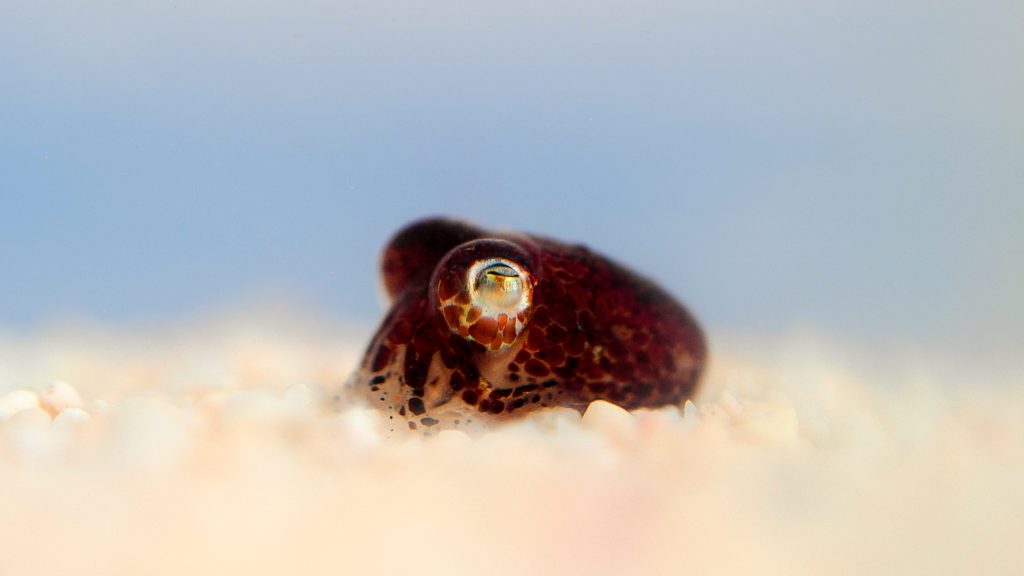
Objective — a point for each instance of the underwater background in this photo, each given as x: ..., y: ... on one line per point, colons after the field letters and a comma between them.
x: 845, y: 167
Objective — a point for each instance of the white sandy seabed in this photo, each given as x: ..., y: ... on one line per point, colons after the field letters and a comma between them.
x: 204, y: 449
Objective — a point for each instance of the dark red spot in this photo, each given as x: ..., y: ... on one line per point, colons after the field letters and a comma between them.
x: 484, y: 330
x: 536, y: 368
x: 568, y: 370
x: 586, y: 321
x: 448, y: 358
x: 617, y: 349
x: 642, y: 390
x: 540, y: 313
x: 564, y: 314
x: 623, y: 371
x: 525, y: 389
x: 555, y: 356
x: 470, y: 397
x: 452, y: 314
x: 426, y: 340
x: 575, y: 343
x: 457, y: 381
x: 670, y: 364
x: 578, y: 295
x: 448, y: 286
x: 415, y: 371
x: 534, y: 339
x: 380, y: 360
x: 401, y: 333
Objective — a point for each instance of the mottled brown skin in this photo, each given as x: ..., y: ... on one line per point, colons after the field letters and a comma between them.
x: 594, y: 330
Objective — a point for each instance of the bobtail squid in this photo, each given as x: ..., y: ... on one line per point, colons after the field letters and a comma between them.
x: 486, y: 326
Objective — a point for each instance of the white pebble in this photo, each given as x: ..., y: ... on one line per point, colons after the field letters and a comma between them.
x: 772, y: 423
x: 690, y: 411
x: 30, y: 418
x: 60, y: 396
x: 71, y: 417
x: 361, y: 427
x: 650, y: 422
x: 253, y: 407
x: 298, y: 395
x: 30, y: 435
x: 609, y: 418
x: 149, y: 432
x: 453, y: 439
x: 298, y: 400
x: 16, y: 401
x: 731, y: 405
x: 100, y: 407
x: 714, y: 413
x: 555, y: 418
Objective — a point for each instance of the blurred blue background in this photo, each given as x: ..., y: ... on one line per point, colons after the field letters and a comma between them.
x: 852, y: 166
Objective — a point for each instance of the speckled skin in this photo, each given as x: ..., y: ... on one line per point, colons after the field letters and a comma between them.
x: 593, y: 330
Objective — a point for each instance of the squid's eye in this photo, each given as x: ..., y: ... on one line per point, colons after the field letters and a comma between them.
x: 485, y: 299
x: 499, y: 285
x: 499, y: 294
